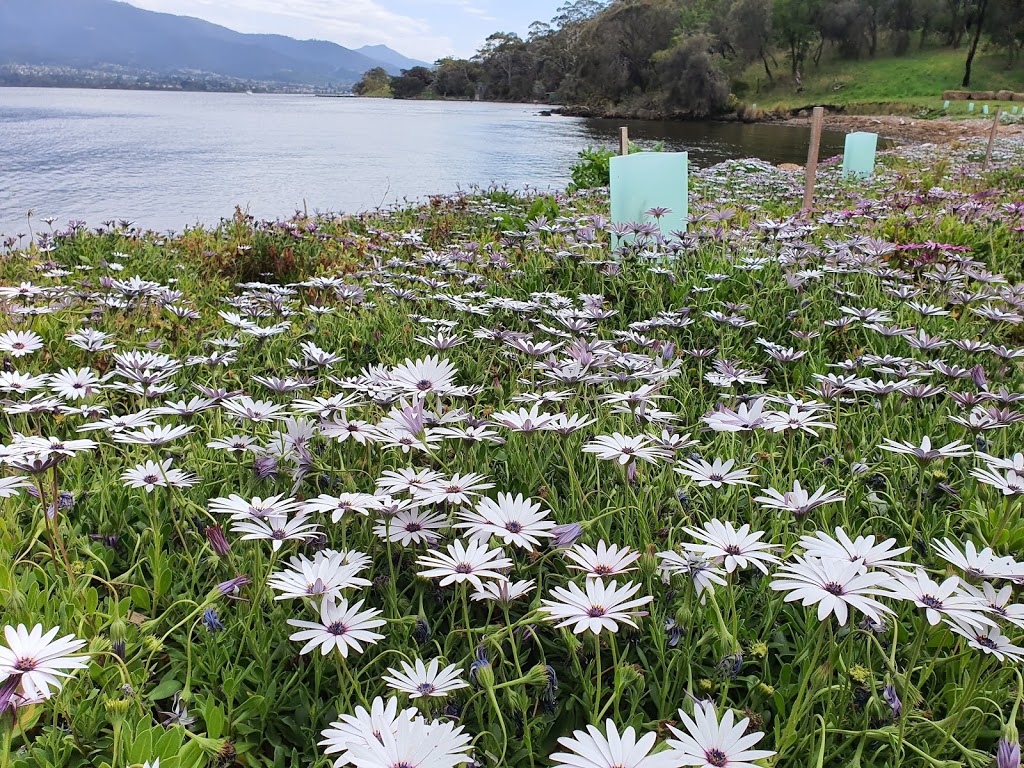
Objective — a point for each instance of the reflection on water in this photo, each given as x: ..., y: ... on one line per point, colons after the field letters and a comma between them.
x: 168, y: 160
x: 712, y: 142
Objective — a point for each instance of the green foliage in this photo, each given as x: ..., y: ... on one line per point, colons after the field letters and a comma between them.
x: 412, y: 83
x: 658, y: 58
x: 593, y: 169
x: 142, y: 571
x: 376, y: 82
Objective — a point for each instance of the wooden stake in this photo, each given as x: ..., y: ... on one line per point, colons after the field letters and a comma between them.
x: 992, y: 138
x: 623, y: 140
x: 817, y: 118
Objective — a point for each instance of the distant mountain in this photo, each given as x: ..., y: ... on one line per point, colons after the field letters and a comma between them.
x: 92, y: 34
x: 384, y: 54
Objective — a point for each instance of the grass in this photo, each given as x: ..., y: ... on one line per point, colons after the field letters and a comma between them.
x: 179, y: 670
x: 885, y: 85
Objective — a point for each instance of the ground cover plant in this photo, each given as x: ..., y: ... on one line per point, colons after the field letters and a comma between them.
x: 455, y: 485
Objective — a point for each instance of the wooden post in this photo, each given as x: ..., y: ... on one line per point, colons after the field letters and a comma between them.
x: 992, y: 138
x: 623, y: 140
x: 817, y: 118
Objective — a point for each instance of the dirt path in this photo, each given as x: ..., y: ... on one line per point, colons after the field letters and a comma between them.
x: 939, y: 131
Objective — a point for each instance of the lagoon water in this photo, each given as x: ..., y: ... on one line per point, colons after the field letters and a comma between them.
x: 169, y: 160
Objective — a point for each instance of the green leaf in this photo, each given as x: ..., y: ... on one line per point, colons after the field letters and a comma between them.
x: 140, y: 599
x: 213, y: 715
x: 167, y: 688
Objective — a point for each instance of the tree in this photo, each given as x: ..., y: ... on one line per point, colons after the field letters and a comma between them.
x: 412, y: 82
x: 977, y: 9
x: 456, y: 78
x: 375, y: 82
x: 695, y: 83
x: 509, y: 63
x: 619, y: 44
x: 749, y: 27
x: 794, y: 22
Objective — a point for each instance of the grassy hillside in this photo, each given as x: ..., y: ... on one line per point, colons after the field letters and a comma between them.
x: 904, y: 84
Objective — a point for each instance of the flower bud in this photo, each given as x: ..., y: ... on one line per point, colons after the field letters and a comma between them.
x: 118, y: 635
x: 1008, y: 754
x: 117, y: 709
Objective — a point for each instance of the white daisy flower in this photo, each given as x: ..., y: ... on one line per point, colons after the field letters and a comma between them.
x: 425, y: 680
x: 341, y: 626
x: 601, y: 607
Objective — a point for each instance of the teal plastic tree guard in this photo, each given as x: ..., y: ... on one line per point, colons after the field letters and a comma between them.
x: 984, y: 109
x: 1014, y: 112
x: 859, y: 156
x: 945, y: 105
x: 970, y: 106
x: 647, y: 180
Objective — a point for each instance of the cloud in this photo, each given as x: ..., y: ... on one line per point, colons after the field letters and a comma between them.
x: 351, y: 23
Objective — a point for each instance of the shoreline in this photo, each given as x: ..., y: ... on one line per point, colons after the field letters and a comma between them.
x: 941, y: 130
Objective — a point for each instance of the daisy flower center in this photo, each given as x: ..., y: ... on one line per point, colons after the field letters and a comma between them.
x: 18, y: 345
x: 337, y: 628
x: 717, y: 477
x: 931, y: 602
x: 716, y: 757
x: 987, y: 642
x: 595, y: 610
x: 833, y: 588
x: 732, y: 549
x: 424, y: 385
x: 25, y: 664
x: 426, y: 688
x: 151, y: 479
x: 279, y: 535
x: 464, y: 568
x: 513, y: 527
x: 603, y: 570
x: 453, y: 489
x: 413, y: 527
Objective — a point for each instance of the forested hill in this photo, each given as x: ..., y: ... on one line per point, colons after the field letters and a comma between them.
x: 104, y: 35
x: 696, y: 57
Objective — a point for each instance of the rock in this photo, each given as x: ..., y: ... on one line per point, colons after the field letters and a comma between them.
x: 956, y: 95
x: 1018, y: 96
x: 803, y: 113
x: 790, y: 167
x: 983, y: 95
x: 1004, y: 95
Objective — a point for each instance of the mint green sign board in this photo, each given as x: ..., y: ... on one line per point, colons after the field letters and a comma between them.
x: 970, y: 106
x: 647, y: 180
x: 859, y: 157
x: 984, y: 109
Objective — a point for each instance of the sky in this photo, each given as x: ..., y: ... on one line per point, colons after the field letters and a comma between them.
x: 423, y: 29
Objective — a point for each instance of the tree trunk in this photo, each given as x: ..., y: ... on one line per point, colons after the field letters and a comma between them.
x: 979, y: 21
x: 818, y: 52
x: 767, y: 69
x: 955, y: 28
